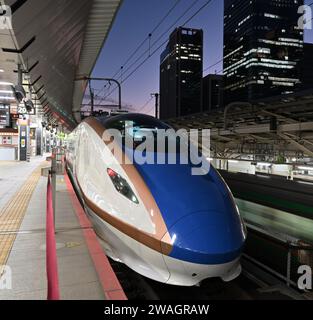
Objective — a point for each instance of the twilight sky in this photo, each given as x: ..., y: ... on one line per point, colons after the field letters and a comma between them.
x: 135, y: 20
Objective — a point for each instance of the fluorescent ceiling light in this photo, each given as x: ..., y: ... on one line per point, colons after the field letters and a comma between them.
x: 5, y: 91
x: 265, y: 164
x: 1, y: 70
x: 4, y: 83
x: 209, y: 159
x: 7, y: 98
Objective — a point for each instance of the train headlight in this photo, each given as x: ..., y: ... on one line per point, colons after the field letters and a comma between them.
x: 122, y: 186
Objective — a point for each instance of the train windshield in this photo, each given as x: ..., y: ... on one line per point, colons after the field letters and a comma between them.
x: 138, y: 127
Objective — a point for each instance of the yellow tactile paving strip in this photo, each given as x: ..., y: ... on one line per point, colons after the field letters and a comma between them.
x: 12, y: 214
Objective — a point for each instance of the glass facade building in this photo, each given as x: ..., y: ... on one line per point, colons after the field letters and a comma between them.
x: 181, y: 74
x: 263, y: 48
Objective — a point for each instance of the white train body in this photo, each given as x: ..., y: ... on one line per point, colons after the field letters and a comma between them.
x: 179, y: 250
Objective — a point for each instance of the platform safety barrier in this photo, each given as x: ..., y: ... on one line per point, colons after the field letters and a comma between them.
x: 51, y: 254
x: 280, y: 257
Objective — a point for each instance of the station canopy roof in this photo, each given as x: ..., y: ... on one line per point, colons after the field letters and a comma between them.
x: 56, y: 42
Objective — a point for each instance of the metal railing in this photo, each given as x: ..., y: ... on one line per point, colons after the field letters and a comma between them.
x: 278, y: 254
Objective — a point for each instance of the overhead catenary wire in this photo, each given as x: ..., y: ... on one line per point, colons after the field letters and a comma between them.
x: 150, y: 34
x: 121, y: 71
x: 150, y: 109
x: 162, y: 44
x: 165, y: 33
x: 153, y: 44
x: 145, y: 105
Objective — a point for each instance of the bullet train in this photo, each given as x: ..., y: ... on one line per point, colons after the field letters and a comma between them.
x: 158, y: 219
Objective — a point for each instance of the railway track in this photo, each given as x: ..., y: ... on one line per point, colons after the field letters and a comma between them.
x: 248, y: 286
x: 245, y: 287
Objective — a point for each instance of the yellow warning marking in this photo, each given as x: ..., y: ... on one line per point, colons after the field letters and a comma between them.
x: 12, y: 214
x: 72, y: 244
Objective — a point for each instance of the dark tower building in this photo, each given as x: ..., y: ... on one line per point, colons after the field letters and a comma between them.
x: 307, y: 67
x: 262, y: 48
x: 181, y: 74
x: 212, y: 92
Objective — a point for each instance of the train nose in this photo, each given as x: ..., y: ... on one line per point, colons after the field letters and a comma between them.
x: 206, y: 238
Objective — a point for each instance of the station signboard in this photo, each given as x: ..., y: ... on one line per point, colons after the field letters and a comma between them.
x: 23, y: 143
x: 21, y: 110
x: 4, y: 115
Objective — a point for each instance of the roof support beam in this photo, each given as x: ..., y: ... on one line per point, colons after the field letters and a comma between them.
x: 17, y: 4
x: 297, y: 145
x: 278, y: 116
x: 264, y: 128
x: 26, y: 45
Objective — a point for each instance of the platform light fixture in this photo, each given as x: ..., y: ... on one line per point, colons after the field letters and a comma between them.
x: 306, y: 168
x: 264, y: 164
x: 6, y: 98
x: 233, y: 161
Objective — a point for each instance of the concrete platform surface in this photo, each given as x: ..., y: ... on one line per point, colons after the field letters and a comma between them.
x: 78, y: 278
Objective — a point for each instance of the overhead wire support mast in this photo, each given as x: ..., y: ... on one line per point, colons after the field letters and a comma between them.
x: 104, y: 79
x: 149, y: 36
x: 91, y: 97
x: 156, y: 96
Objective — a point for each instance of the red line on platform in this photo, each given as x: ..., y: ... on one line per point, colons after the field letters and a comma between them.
x: 51, y: 253
x: 111, y: 286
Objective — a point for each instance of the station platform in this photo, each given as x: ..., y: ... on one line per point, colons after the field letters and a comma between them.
x: 84, y: 271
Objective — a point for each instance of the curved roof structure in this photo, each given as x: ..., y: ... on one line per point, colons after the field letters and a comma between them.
x: 56, y: 41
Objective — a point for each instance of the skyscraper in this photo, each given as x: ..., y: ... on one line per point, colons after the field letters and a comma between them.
x: 212, y: 92
x: 306, y: 67
x: 181, y: 74
x: 263, y: 46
